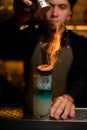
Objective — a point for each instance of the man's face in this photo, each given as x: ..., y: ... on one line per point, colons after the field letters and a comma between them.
x: 59, y: 11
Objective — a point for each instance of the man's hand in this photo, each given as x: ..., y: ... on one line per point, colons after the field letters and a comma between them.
x: 62, y: 107
x: 22, y: 10
x: 26, y: 2
x: 23, y: 4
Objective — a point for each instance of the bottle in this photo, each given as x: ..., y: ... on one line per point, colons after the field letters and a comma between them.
x: 39, y: 8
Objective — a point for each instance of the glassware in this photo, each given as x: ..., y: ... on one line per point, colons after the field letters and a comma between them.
x: 42, y: 93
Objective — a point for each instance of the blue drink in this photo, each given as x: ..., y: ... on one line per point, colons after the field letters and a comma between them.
x: 42, y: 103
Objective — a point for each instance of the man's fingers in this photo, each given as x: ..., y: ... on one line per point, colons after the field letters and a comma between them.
x: 27, y: 2
x: 62, y: 108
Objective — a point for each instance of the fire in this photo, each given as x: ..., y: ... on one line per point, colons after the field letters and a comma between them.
x: 50, y: 49
x: 45, y: 68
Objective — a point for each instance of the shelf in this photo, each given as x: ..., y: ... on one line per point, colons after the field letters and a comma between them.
x: 77, y: 27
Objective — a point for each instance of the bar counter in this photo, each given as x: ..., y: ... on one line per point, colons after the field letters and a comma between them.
x: 13, y: 119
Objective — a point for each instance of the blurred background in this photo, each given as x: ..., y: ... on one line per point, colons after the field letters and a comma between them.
x: 78, y: 23
x: 13, y: 70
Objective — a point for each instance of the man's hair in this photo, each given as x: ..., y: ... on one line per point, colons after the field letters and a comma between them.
x: 72, y: 2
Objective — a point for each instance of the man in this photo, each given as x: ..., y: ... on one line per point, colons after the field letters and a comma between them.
x: 63, y: 105
x: 69, y: 72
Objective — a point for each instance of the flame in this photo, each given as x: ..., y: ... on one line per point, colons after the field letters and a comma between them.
x: 50, y: 50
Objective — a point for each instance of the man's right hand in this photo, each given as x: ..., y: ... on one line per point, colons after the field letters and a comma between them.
x: 22, y: 10
x: 23, y: 4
